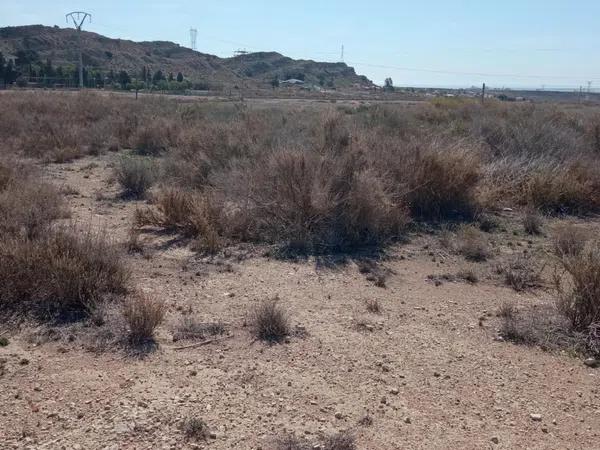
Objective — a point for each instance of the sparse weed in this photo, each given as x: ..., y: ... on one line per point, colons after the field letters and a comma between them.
x: 473, y: 245
x: 269, y: 322
x: 143, y: 314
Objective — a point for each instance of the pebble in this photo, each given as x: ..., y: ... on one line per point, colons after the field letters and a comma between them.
x: 394, y: 391
x: 495, y: 440
x: 536, y: 417
x: 591, y: 362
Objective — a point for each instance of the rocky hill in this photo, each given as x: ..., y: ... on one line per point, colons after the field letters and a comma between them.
x: 103, y: 53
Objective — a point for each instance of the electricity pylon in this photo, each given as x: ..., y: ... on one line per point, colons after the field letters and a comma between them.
x: 78, y: 18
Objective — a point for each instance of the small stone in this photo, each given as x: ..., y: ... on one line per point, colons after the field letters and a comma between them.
x: 495, y: 439
x: 437, y: 374
x: 591, y: 362
x: 536, y: 417
x: 544, y: 429
x: 394, y: 391
x: 407, y: 420
x: 339, y: 415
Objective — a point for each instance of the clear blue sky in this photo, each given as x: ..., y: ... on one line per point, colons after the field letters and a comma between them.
x: 417, y: 43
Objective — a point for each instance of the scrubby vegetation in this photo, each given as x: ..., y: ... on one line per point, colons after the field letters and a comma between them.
x: 50, y: 271
x: 136, y: 176
x: 573, y: 322
x: 324, y: 180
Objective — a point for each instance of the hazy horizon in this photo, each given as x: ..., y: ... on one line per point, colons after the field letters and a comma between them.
x: 432, y: 44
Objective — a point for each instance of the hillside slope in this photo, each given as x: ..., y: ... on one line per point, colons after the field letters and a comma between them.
x: 103, y: 53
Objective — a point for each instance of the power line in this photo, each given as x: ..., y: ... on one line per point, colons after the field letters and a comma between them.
x: 449, y: 72
x: 78, y: 18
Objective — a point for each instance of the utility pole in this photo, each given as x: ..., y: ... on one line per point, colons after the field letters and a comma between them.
x: 78, y: 18
x: 342, y: 58
x: 483, y: 93
x: 193, y: 36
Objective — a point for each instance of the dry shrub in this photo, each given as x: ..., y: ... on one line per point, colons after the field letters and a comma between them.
x: 541, y: 326
x: 64, y: 154
x: 195, y: 429
x: 442, y: 183
x: 291, y: 442
x: 340, y: 441
x: 150, y: 140
x: 579, y: 294
x: 570, y: 240
x: 62, y: 273
x: 28, y: 207
x: 143, y: 314
x: 190, y: 328
x: 521, y: 273
x: 373, y: 306
x: 473, y: 244
x: 336, y: 135
x: 136, y: 176
x: 269, y: 322
x: 190, y: 213
x: 574, y: 189
x: 133, y: 244
x: 319, y: 203
x: 468, y: 275
x: 532, y: 222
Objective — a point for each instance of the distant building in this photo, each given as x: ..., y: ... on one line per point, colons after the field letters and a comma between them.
x: 291, y: 82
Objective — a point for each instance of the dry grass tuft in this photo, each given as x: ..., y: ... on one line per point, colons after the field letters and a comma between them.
x: 28, y: 207
x: 142, y: 315
x: 373, y: 306
x: 195, y: 429
x: 269, y: 322
x: 532, y: 222
x: 473, y: 244
x: 442, y: 183
x: 340, y: 441
x: 190, y: 213
x: 521, y: 273
x: 570, y: 240
x: 189, y: 328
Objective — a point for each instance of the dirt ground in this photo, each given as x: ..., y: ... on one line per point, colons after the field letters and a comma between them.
x: 428, y: 369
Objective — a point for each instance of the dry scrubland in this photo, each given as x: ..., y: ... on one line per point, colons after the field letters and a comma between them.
x: 491, y: 192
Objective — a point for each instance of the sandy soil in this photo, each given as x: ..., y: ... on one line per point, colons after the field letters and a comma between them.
x: 428, y: 369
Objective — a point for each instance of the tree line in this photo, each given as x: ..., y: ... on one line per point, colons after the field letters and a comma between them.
x: 26, y: 68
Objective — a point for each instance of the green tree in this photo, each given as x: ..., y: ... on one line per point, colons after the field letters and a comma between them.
x: 158, y: 76
x: 179, y: 77
x: 124, y: 79
x: 171, y: 77
x: 389, y: 85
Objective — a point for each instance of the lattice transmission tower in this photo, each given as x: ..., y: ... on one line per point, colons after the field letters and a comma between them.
x: 78, y: 18
x: 193, y: 37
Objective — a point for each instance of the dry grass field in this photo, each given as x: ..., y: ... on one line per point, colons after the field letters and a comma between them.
x: 311, y: 275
